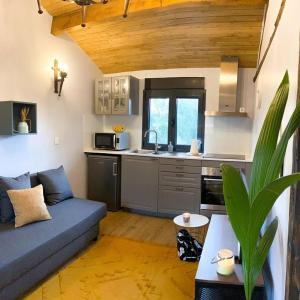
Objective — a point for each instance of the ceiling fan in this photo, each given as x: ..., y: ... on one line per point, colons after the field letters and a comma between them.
x: 84, y: 5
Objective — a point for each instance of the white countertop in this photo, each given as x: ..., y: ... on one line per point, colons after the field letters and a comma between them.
x: 174, y: 155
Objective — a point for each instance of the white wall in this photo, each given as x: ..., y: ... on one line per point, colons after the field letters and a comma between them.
x: 222, y: 135
x: 27, y: 52
x: 283, y: 55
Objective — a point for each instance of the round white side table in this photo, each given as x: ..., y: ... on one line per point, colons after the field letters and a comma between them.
x: 196, y: 227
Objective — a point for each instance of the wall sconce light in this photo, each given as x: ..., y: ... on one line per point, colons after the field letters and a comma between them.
x: 60, y: 75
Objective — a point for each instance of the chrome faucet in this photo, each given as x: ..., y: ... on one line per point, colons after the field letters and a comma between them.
x: 156, y: 144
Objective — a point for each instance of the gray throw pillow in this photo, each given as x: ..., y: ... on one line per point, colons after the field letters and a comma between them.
x: 56, y: 185
x: 10, y: 183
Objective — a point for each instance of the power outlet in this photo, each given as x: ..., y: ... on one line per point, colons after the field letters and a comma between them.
x: 56, y: 140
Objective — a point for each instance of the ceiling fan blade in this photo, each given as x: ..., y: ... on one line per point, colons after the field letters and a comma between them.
x: 40, y: 11
x: 126, y: 6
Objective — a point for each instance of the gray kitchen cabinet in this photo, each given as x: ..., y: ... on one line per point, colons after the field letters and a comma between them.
x: 179, y: 186
x: 176, y: 200
x: 139, y: 189
x: 166, y: 186
x: 117, y: 96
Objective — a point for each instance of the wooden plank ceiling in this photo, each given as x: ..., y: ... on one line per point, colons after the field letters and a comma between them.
x: 161, y: 34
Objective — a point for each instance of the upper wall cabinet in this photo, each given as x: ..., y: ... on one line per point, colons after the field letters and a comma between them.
x: 117, y: 96
x: 10, y: 117
x: 103, y: 96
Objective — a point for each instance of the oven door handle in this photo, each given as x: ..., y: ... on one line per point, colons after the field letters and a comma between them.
x: 213, y: 179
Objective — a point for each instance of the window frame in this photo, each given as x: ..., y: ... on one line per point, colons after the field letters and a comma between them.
x: 173, y: 94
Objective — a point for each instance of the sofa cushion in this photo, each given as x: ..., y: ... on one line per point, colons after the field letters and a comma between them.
x: 24, y: 248
x: 29, y: 205
x: 56, y: 185
x: 34, y: 180
x: 9, y: 183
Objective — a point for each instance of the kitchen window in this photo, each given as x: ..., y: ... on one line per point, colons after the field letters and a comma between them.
x: 176, y: 114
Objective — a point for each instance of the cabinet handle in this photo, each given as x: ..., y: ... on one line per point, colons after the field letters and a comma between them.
x: 115, y: 169
x: 180, y: 160
x: 179, y: 189
x: 213, y: 179
x: 179, y: 168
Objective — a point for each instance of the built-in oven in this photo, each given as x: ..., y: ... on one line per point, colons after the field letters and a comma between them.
x: 212, y: 197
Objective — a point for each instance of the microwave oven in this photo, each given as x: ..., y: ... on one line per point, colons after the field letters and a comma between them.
x: 111, y: 141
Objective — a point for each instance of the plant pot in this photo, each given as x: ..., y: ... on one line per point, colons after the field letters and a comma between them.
x: 23, y: 128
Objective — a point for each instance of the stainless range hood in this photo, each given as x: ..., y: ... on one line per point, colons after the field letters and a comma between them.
x: 228, y: 89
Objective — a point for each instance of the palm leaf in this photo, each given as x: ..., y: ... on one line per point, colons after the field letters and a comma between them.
x: 278, y: 156
x: 268, y: 137
x: 264, y: 202
x: 236, y: 198
x: 260, y: 256
x: 248, y: 211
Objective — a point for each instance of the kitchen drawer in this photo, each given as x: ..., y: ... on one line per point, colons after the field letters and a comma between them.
x: 180, y: 169
x: 180, y: 180
x: 139, y: 158
x: 176, y: 200
x: 181, y: 162
x: 217, y: 163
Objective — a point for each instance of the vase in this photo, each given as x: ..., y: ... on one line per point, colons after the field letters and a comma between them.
x: 23, y: 127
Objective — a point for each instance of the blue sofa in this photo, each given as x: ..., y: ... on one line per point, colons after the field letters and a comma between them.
x: 30, y: 253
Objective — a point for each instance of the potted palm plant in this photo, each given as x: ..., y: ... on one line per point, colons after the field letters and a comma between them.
x: 248, y: 207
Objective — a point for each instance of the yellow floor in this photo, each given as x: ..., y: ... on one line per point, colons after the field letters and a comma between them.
x: 125, y: 264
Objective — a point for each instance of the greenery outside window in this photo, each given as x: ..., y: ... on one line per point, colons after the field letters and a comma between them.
x: 177, y: 115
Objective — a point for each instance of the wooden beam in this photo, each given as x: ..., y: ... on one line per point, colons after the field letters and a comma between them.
x: 280, y: 13
x: 292, y: 283
x: 262, y: 32
x: 115, y: 8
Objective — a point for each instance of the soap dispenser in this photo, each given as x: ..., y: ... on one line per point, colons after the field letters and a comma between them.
x: 170, y: 147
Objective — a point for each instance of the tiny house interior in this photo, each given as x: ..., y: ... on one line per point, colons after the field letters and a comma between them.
x: 149, y: 149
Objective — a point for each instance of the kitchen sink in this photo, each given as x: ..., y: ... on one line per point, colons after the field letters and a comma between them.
x: 143, y: 151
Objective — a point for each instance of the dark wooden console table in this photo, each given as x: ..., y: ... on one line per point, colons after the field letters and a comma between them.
x: 209, y: 285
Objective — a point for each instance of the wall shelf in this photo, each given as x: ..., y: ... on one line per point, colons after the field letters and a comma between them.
x: 10, y: 117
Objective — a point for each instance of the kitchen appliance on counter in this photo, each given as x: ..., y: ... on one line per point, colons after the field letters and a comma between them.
x: 111, y: 141
x: 195, y: 145
x: 104, y: 180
